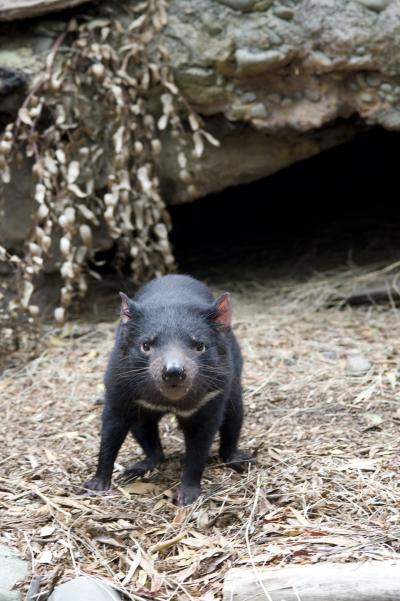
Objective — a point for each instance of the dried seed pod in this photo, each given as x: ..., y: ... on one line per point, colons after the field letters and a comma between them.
x: 5, y: 147
x: 86, y: 235
x: 46, y: 243
x: 83, y: 286
x: 98, y: 71
x: 185, y: 176
x: 156, y: 146
x: 182, y: 160
x: 66, y: 296
x: 192, y: 191
x: 34, y: 249
x: 65, y: 246
x: 43, y: 211
x: 59, y: 315
x: 67, y: 270
x: 33, y: 310
x: 138, y: 147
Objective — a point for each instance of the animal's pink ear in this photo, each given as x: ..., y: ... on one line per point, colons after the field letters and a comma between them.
x: 222, y: 310
x: 126, y: 313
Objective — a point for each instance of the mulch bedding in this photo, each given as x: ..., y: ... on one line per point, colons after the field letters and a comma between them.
x: 325, y: 485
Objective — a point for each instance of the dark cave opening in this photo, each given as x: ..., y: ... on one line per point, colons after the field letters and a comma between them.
x: 342, y: 201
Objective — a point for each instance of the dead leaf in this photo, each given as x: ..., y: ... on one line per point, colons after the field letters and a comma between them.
x: 46, y: 556
x: 141, y: 488
x: 47, y: 531
x: 374, y: 420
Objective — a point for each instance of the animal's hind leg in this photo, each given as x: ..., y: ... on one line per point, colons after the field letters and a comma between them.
x: 230, y: 432
x: 145, y: 432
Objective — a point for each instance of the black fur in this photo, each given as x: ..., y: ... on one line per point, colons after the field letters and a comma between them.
x: 173, y: 310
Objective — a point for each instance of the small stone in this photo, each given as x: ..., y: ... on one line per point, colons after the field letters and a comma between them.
x: 284, y: 12
x: 321, y: 59
x: 84, y: 587
x: 366, y: 97
x: 390, y: 98
x: 274, y: 37
x: 286, y: 102
x: 257, y: 62
x: 329, y: 354
x: 242, y: 5
x: 386, y: 87
x: 248, y: 96
x: 353, y: 86
x: 212, y: 26
x: 357, y: 365
x: 397, y: 90
x: 375, y: 5
x: 373, y: 80
x: 360, y: 80
x: 313, y: 95
x: 12, y: 570
x: 258, y: 111
x: 275, y: 98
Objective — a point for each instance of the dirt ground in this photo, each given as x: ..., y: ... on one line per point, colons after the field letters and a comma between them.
x: 325, y: 486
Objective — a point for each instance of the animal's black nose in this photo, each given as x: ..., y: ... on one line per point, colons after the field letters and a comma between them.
x: 173, y: 373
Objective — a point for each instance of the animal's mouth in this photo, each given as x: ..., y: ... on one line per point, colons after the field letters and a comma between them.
x: 174, y: 392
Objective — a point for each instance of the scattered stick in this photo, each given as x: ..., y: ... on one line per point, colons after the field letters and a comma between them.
x: 34, y: 588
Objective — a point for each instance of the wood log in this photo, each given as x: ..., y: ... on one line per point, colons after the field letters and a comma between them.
x: 11, y: 10
x: 369, y: 581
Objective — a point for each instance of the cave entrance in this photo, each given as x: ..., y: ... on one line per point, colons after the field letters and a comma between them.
x: 338, y: 206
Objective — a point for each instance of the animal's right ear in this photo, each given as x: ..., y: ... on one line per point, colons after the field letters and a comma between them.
x: 126, y: 309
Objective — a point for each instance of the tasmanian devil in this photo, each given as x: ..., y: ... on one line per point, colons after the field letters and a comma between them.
x: 174, y: 352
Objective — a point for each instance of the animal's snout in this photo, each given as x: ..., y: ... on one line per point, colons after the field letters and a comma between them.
x: 173, y: 373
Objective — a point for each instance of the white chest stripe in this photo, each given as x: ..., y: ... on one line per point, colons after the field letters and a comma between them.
x: 175, y: 410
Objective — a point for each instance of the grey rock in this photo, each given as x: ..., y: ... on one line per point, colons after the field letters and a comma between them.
x: 218, y: 49
x: 313, y: 95
x: 375, y: 5
x: 243, y: 5
x: 12, y: 570
x: 357, y: 365
x: 284, y: 12
x: 275, y: 98
x: 253, y: 63
x: 258, y: 111
x: 367, y: 97
x: 373, y: 80
x: 386, y: 87
x: 84, y: 588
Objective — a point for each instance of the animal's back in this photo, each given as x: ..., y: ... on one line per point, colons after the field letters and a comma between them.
x: 173, y: 289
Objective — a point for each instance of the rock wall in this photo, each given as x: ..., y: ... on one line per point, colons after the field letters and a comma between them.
x: 276, y: 81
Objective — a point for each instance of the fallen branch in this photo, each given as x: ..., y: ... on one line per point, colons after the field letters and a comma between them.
x: 11, y: 10
x: 369, y: 581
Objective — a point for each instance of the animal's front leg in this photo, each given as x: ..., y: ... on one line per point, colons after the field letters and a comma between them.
x: 198, y: 440
x: 145, y: 432
x: 114, y: 431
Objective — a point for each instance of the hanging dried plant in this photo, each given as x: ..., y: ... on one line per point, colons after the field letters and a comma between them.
x: 92, y: 126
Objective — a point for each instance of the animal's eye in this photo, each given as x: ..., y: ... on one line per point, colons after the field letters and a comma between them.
x: 146, y: 348
x: 200, y: 347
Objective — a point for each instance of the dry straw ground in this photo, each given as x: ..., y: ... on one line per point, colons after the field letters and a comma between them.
x: 326, y: 485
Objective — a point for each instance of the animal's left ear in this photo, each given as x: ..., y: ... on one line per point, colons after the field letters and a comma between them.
x: 221, y: 311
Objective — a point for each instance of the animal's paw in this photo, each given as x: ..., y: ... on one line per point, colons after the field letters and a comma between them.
x: 240, y: 461
x: 188, y: 495
x: 137, y: 469
x: 95, y: 485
